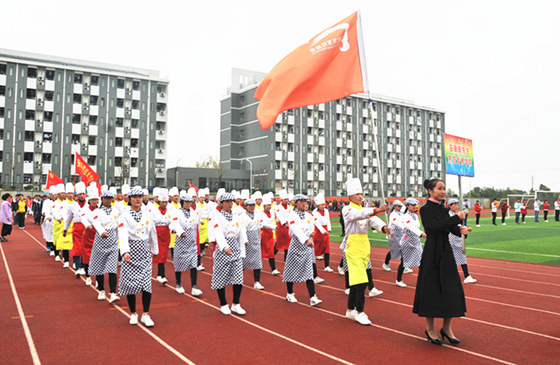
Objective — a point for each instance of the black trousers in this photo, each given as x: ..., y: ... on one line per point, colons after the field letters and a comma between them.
x: 236, y: 294
x: 310, y: 287
x: 477, y: 219
x: 545, y: 214
x: 494, y: 214
x: 20, y: 219
x: 356, y: 298
x: 503, y: 217
x: 112, y: 282
x: 146, y: 299
x: 557, y: 215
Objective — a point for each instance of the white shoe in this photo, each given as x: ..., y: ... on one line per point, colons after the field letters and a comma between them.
x: 546, y: 221
x: 66, y: 265
x: 133, y: 319
x: 200, y: 268
x: 147, y: 320
x: 158, y: 279
x: 386, y: 267
x: 347, y: 291
x: 401, y: 284
x: 258, y: 286
x: 478, y: 225
x: 375, y: 292
x: 318, y: 280
x: 351, y: 314
x: 57, y: 258
x: 340, y: 270
x: 407, y: 270
x: 113, y: 298
x: 163, y: 281
x: 74, y: 266
x: 101, y: 295
x: 328, y: 269
x: 236, y: 308
x: 320, y: 258
x: 503, y: 224
x: 313, y: 301
x: 225, y: 310
x: 195, y: 292
x: 52, y: 253
x: 291, y: 298
x: 179, y: 289
x: 363, y: 319
x: 88, y: 281
x: 96, y: 284
x: 469, y: 280
x: 524, y: 222
x: 275, y: 272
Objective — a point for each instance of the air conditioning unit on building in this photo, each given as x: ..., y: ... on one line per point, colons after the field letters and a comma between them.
x: 162, y: 94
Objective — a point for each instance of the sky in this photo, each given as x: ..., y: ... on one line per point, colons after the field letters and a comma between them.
x: 492, y: 66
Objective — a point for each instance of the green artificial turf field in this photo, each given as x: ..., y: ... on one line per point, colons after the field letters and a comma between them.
x: 530, y: 242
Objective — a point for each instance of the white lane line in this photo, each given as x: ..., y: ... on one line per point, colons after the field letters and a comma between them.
x: 30, y: 343
x: 298, y: 343
x: 382, y: 327
x: 146, y: 330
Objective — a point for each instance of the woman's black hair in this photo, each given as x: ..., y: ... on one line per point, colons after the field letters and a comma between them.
x: 430, y: 184
x: 184, y: 201
x: 6, y: 196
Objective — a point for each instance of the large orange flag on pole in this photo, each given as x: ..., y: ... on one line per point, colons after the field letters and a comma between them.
x: 53, y: 179
x: 328, y: 67
x: 85, y: 171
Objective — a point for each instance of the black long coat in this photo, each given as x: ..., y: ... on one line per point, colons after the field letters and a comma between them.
x: 439, y: 291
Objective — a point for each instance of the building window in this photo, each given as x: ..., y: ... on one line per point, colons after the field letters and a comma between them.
x: 91, y: 160
x: 77, y: 78
x: 120, y: 83
x: 91, y: 140
x: 118, y: 142
x: 94, y: 80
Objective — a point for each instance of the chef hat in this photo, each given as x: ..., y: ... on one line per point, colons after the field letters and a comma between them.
x: 69, y: 188
x: 52, y: 189
x: 80, y: 188
x: 163, y: 195
x: 290, y: 196
x: 108, y: 194
x: 185, y: 196
x: 220, y: 192
x: 173, y: 191
x: 270, y: 194
x: 136, y: 191
x: 155, y: 191
x: 113, y: 190
x: 226, y: 196
x: 125, y: 189
x: 353, y: 186
x: 249, y: 202
x: 92, y: 192
x: 182, y: 191
x: 266, y: 200
x: 245, y: 194
x: 397, y: 203
x: 206, y: 191
x: 93, y: 183
x: 411, y: 201
x: 145, y: 192
x: 298, y: 197
x: 60, y: 188
x: 104, y: 188
x: 320, y: 199
x: 236, y: 194
x: 452, y: 201
x: 201, y: 193
x: 283, y: 194
x: 257, y: 195
x: 191, y: 192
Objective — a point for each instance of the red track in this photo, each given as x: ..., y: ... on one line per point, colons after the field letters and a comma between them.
x: 513, y: 317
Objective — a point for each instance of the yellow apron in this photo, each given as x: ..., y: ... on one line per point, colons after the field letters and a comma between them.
x: 203, y: 231
x: 63, y: 243
x: 173, y: 235
x: 357, y: 258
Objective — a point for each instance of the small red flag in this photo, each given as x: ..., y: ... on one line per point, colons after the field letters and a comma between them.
x: 52, y: 179
x: 85, y: 171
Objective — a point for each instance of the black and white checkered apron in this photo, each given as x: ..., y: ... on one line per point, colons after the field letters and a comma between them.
x: 300, y: 260
x: 411, y: 247
x: 228, y: 269
x: 457, y: 246
x: 253, y: 255
x: 185, y: 254
x: 395, y: 242
x: 104, y: 254
x: 345, y: 264
x: 136, y: 275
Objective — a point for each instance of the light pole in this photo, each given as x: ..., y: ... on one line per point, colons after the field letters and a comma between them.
x: 250, y: 176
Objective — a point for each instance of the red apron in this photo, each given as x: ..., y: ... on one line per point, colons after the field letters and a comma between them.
x: 87, y: 243
x: 282, y: 237
x: 321, y: 242
x: 164, y: 238
x: 267, y: 243
x: 77, y: 233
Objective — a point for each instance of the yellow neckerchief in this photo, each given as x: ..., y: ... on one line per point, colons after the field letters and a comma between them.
x: 156, y: 204
x: 113, y: 203
x: 176, y: 205
x: 60, y: 200
x: 354, y: 205
x: 258, y: 206
x: 125, y: 203
x: 69, y: 201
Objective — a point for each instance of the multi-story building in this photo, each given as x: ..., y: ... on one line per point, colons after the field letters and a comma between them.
x: 115, y: 117
x: 317, y: 148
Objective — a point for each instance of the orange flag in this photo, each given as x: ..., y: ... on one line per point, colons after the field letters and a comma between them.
x: 328, y: 67
x: 53, y: 179
x: 87, y: 173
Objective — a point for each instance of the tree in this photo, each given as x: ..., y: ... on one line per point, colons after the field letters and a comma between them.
x: 208, y: 162
x: 543, y: 187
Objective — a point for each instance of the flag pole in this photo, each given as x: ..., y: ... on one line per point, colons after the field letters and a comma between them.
x: 375, y: 145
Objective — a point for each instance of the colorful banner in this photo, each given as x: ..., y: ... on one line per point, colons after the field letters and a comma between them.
x: 459, y: 158
x: 53, y: 179
x: 87, y: 173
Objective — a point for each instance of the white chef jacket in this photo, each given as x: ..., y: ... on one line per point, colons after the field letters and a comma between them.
x: 129, y: 229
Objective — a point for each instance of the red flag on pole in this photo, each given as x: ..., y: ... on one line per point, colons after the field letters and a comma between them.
x: 192, y: 186
x: 53, y: 179
x: 328, y: 67
x: 85, y: 171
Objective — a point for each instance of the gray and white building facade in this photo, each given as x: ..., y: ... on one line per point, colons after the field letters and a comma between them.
x: 115, y: 117
x: 317, y: 148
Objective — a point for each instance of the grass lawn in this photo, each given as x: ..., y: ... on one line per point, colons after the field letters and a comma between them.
x: 530, y: 242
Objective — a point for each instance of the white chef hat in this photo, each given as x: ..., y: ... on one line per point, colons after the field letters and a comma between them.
x: 283, y: 194
x: 145, y: 192
x: 185, y: 196
x: 69, y: 188
x: 182, y: 191
x: 226, y: 197
x: 52, y: 189
x: 319, y: 199
x: 236, y: 194
x: 92, y: 192
x: 93, y: 183
x: 60, y: 188
x: 245, y: 194
x: 220, y: 192
x: 109, y: 193
x: 353, y: 186
x: 290, y: 196
x: 173, y: 191
x: 136, y: 191
x: 206, y: 191
x: 397, y: 203
x: 266, y: 200
x: 257, y: 195
x: 125, y: 189
x: 80, y: 188
x: 155, y: 191
x: 411, y: 201
x: 191, y: 192
x: 104, y: 188
x: 163, y: 195
x: 201, y: 193
x: 113, y: 190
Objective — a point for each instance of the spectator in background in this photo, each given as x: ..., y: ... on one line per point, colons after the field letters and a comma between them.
x: 546, y: 206
x: 517, y: 206
x: 466, y: 206
x: 557, y: 210
x: 477, y: 211
x: 523, y: 212
x: 6, y: 216
x: 495, y: 204
x: 37, y: 208
x: 537, y: 207
x: 21, y: 210
x: 504, y: 207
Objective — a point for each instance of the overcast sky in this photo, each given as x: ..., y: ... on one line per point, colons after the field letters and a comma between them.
x: 493, y: 66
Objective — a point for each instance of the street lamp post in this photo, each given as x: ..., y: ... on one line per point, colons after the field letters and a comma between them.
x: 250, y: 175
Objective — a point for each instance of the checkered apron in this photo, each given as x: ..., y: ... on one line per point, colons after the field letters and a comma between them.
x: 228, y: 269
x: 395, y: 239
x: 105, y: 251
x: 185, y: 254
x: 253, y: 256
x: 411, y: 246
x: 344, y: 263
x: 300, y: 260
x: 136, y: 275
x: 456, y: 243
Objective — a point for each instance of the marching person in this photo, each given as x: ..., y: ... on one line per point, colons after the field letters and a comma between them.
x: 173, y: 206
x: 104, y: 253
x: 36, y: 208
x: 439, y: 292
x: 63, y: 242
x: 185, y: 253
x: 395, y: 223
x: 74, y: 217
x: 204, y: 209
x: 357, y: 221
x: 300, y: 261
x: 138, y: 240
x: 282, y: 230
x: 231, y: 240
x: 477, y: 211
x: 88, y: 236
x: 410, y: 242
x: 196, y: 213
x: 47, y: 226
x: 267, y: 234
x: 456, y: 243
x: 321, y: 238
x: 253, y: 221
x: 163, y: 216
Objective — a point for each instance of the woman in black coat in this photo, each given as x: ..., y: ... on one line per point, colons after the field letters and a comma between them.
x: 439, y: 291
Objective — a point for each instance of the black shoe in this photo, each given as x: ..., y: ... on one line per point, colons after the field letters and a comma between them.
x: 453, y: 341
x: 435, y: 341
